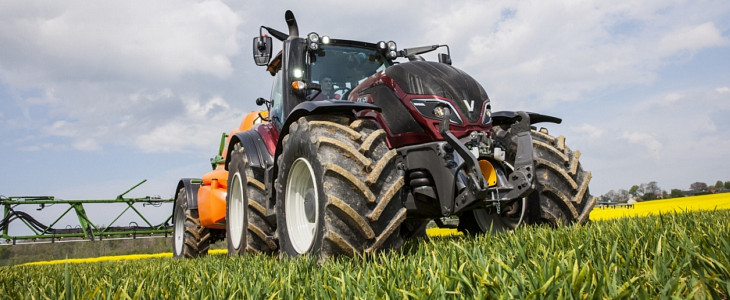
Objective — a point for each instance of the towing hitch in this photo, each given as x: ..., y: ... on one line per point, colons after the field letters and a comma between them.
x: 519, y: 183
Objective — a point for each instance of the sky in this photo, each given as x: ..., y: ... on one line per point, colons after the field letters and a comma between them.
x: 99, y: 95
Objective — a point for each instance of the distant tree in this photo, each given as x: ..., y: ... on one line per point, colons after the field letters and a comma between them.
x: 719, y: 184
x: 622, y: 195
x: 648, y: 196
x: 651, y: 188
x: 698, y: 187
x: 609, y: 196
x: 676, y: 193
x: 634, y: 191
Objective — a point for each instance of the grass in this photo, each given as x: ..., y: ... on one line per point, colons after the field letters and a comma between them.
x: 682, y: 255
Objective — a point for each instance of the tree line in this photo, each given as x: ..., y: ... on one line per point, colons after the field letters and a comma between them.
x: 651, y: 191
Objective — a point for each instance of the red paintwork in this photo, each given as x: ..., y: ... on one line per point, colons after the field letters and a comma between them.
x: 270, y: 136
x: 430, y: 126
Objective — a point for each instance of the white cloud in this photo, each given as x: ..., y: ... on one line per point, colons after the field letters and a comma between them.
x: 199, y: 127
x: 62, y: 128
x: 591, y: 131
x: 86, y: 145
x: 647, y: 140
x: 158, y: 41
x: 691, y: 38
x: 99, y: 74
x: 673, y: 98
x: 564, y: 50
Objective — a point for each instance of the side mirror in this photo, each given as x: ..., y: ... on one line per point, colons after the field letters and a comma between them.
x: 262, y: 50
x: 445, y: 58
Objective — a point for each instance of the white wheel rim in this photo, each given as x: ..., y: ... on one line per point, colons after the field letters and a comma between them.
x: 236, y: 212
x: 179, y: 228
x: 300, y: 182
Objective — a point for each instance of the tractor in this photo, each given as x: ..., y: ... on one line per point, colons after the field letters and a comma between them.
x: 362, y: 145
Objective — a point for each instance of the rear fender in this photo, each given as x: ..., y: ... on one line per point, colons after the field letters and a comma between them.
x: 259, y: 156
x: 259, y: 143
x: 191, y: 186
x: 329, y: 107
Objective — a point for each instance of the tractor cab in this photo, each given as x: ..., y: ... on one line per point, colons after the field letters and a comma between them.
x: 317, y: 67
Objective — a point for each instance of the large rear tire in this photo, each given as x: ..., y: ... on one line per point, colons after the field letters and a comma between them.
x: 561, y: 195
x: 247, y: 226
x: 338, y: 190
x: 190, y: 239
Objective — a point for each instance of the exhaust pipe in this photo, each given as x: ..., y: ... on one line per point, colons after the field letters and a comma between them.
x: 292, y: 22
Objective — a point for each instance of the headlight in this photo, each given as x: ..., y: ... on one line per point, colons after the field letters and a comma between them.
x: 392, y: 46
x: 436, y: 109
x: 382, y: 45
x: 313, y: 39
x: 487, y: 117
x: 392, y: 52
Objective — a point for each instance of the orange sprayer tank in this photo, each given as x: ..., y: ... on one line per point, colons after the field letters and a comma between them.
x: 213, y: 190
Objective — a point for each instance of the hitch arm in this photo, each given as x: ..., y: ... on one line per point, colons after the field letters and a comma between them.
x: 476, y: 180
x: 522, y: 178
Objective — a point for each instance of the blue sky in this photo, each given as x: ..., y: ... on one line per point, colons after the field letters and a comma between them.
x: 97, y: 96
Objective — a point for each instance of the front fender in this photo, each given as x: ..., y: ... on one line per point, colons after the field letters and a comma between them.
x: 191, y: 186
x: 510, y: 117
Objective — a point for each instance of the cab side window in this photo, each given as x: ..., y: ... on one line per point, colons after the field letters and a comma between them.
x: 277, y: 98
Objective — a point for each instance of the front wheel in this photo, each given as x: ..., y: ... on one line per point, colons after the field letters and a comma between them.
x: 190, y: 238
x: 338, y: 191
x: 247, y: 226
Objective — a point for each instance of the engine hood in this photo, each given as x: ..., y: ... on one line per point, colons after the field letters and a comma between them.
x: 442, y: 80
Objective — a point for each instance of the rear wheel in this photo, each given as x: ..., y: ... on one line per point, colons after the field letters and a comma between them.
x: 338, y: 191
x: 561, y: 195
x: 190, y: 239
x: 247, y: 226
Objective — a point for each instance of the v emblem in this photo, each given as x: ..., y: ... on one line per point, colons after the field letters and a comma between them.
x: 469, y: 105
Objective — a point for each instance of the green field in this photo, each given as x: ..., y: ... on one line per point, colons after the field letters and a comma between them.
x: 683, y: 255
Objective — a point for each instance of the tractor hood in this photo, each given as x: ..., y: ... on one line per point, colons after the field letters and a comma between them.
x: 442, y: 80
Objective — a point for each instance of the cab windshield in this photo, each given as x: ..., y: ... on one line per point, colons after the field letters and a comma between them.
x: 338, y: 69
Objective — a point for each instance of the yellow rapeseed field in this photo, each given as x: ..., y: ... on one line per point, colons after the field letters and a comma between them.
x: 655, y: 207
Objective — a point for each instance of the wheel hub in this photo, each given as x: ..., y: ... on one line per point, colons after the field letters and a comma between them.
x: 310, y: 206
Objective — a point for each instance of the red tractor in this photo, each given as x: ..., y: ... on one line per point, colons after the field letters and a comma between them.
x: 357, y: 152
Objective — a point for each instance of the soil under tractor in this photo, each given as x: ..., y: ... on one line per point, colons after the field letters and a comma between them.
x: 362, y: 145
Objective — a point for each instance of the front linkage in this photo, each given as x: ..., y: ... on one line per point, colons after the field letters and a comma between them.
x: 519, y: 183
